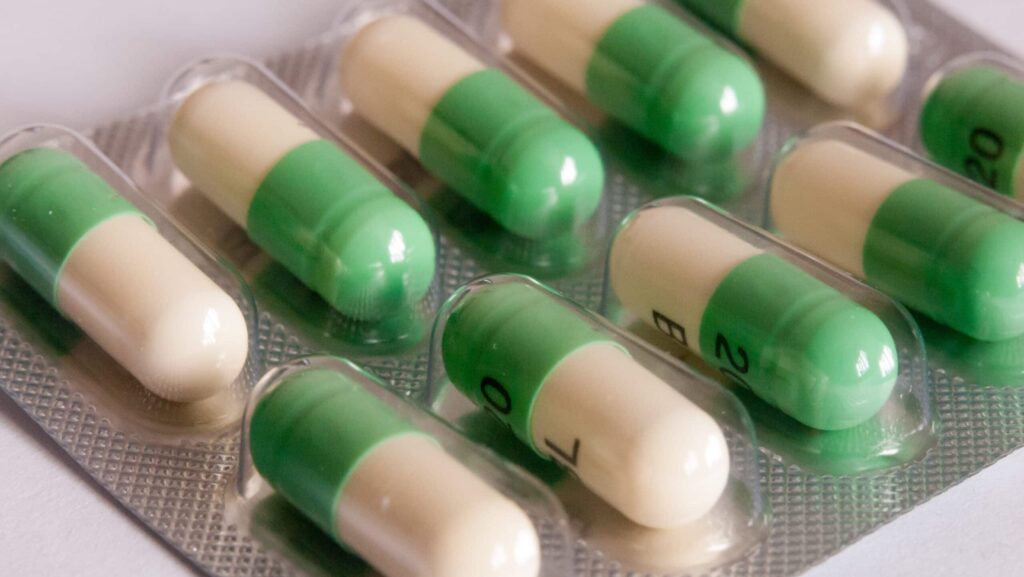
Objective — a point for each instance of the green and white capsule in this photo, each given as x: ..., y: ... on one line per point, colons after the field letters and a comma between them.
x: 939, y: 251
x: 849, y: 52
x: 972, y: 122
x: 646, y: 67
x: 100, y: 262
x: 472, y: 127
x: 575, y: 395
x: 356, y: 468
x: 310, y: 205
x: 795, y: 342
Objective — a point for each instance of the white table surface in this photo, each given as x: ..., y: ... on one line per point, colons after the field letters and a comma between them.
x: 81, y: 62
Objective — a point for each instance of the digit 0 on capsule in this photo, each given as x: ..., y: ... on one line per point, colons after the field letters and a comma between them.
x: 646, y: 67
x: 936, y: 249
x: 99, y: 261
x: 575, y: 395
x: 972, y: 122
x: 310, y: 205
x: 472, y: 127
x: 795, y: 342
x: 849, y: 52
x: 355, y: 467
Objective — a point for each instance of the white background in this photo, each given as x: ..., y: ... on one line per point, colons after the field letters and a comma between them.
x: 81, y: 63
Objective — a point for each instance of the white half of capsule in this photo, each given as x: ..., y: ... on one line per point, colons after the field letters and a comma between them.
x: 850, y: 52
x: 813, y: 180
x: 633, y: 440
x: 153, y: 310
x: 670, y: 260
x: 227, y: 136
x: 396, y: 70
x: 412, y: 510
x: 561, y: 35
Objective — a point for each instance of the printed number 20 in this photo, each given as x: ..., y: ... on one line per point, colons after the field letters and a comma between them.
x: 986, y: 146
x: 738, y: 360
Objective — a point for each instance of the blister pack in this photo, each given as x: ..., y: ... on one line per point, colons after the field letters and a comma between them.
x: 515, y: 288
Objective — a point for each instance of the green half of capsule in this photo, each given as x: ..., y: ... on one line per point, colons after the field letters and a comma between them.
x: 799, y: 344
x: 951, y: 257
x: 502, y: 341
x: 512, y: 156
x: 49, y: 201
x: 343, y: 233
x: 310, y: 432
x: 676, y: 86
x: 973, y: 122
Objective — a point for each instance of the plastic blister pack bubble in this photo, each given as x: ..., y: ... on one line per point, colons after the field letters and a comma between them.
x: 871, y: 406
x: 967, y: 305
x: 70, y: 354
x: 372, y: 324
x: 966, y: 123
x: 466, y: 172
x: 520, y: 336
x: 266, y: 515
x: 801, y: 495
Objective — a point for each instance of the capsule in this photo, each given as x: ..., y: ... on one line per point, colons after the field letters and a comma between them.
x: 973, y: 122
x: 102, y: 264
x: 848, y: 52
x: 303, y: 200
x: 941, y: 252
x: 645, y: 67
x: 576, y: 396
x: 795, y: 342
x: 356, y: 468
x: 473, y: 127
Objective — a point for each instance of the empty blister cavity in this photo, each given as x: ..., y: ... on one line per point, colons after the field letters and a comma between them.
x: 471, y: 136
x: 352, y: 458
x: 972, y: 120
x: 839, y: 359
x: 347, y: 231
x: 851, y: 53
x: 931, y: 240
x: 172, y: 320
x: 663, y: 460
